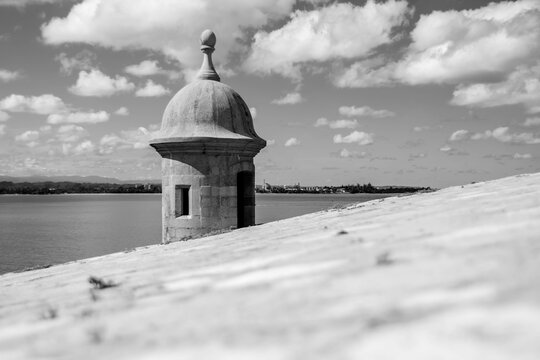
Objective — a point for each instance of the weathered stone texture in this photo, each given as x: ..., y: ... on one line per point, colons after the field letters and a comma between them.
x: 213, y: 187
x: 207, y: 141
x: 446, y: 275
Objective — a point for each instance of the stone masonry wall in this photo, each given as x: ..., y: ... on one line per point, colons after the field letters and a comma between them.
x: 213, y: 193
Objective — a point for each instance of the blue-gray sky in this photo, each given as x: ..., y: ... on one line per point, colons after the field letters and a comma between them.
x: 416, y: 92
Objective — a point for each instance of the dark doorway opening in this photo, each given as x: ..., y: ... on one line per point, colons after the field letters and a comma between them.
x: 181, y: 200
x: 245, y: 193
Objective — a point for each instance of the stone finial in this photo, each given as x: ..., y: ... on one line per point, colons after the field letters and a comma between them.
x: 207, y: 71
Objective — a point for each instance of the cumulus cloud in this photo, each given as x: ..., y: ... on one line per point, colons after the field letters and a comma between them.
x: 170, y: 26
x: 4, y: 116
x: 123, y: 111
x: 83, y: 60
x: 344, y: 153
x: 521, y: 87
x: 152, y: 89
x: 445, y: 148
x: 359, y: 137
x: 292, y: 142
x: 452, y: 47
x: 85, y: 147
x: 148, y: 68
x: 522, y: 156
x: 528, y: 122
x: 43, y: 104
x: 337, y: 124
x: 78, y: 118
x: 128, y: 139
x: 71, y: 133
x: 343, y: 124
x: 503, y: 134
x: 27, y: 136
x: 6, y: 75
x: 321, y: 122
x: 289, y: 99
x: 364, y: 111
x: 336, y: 31
x: 459, y: 135
x: 374, y: 72
x: 96, y: 83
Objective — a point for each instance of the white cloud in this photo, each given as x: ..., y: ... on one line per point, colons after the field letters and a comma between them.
x: 71, y: 133
x: 128, y: 139
x: 4, y: 116
x: 83, y: 60
x: 96, y: 83
x: 43, y: 104
x: 253, y: 112
x: 364, y: 111
x: 78, y: 118
x: 521, y: 87
x: 337, y: 124
x: 532, y: 122
x: 459, y: 135
x: 360, y: 137
x: 292, y: 142
x: 289, y: 99
x: 445, y: 148
x: 27, y: 136
x: 481, y: 45
x: 373, y: 72
x: 6, y: 75
x: 336, y: 31
x: 344, y: 153
x: 2, y: 129
x: 170, y: 26
x: 152, y: 89
x: 123, y: 111
x: 146, y: 68
x: 321, y: 122
x: 522, y: 156
x: 502, y: 134
x: 420, y: 128
x: 85, y: 147
x: 343, y: 124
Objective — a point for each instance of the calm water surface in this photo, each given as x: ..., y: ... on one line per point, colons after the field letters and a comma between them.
x: 49, y: 229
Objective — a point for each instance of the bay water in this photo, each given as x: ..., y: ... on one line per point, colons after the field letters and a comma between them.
x: 39, y: 230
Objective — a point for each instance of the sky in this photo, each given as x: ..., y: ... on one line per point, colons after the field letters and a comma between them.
x: 418, y: 92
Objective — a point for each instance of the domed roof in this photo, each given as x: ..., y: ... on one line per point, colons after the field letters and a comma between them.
x: 207, y: 110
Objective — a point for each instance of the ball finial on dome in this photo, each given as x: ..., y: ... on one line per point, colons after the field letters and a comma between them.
x: 208, y: 38
x: 207, y: 71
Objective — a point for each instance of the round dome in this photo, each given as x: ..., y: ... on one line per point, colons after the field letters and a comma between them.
x: 207, y: 109
x: 207, y: 116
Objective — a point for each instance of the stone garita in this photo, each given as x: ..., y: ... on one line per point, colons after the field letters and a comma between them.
x: 207, y: 142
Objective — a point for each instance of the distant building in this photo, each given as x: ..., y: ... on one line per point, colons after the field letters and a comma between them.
x: 207, y: 141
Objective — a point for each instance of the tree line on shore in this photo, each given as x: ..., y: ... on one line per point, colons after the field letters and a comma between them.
x: 67, y: 187
x: 343, y: 189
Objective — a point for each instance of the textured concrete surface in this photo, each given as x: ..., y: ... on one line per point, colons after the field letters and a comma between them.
x: 452, y: 274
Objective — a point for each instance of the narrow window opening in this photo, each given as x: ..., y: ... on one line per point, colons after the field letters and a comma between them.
x: 181, y: 207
